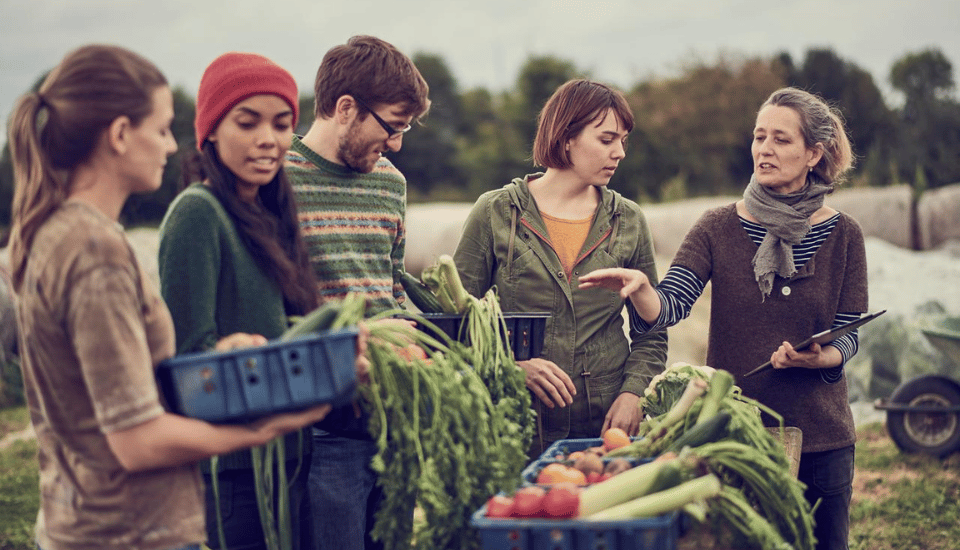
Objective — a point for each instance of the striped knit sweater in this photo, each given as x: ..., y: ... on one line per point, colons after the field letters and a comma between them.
x: 353, y: 225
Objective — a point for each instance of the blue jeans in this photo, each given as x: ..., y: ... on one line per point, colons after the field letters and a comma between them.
x: 241, y: 516
x: 829, y: 476
x: 343, y: 493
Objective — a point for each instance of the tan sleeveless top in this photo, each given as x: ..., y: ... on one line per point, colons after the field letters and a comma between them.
x: 567, y: 237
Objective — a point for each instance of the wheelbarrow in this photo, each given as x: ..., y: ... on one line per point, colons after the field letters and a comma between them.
x: 923, y: 414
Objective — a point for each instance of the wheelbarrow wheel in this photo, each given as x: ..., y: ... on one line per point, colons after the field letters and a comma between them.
x: 933, y: 433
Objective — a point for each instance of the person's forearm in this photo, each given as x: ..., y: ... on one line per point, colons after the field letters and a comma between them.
x: 831, y: 357
x: 647, y: 303
x: 172, y: 440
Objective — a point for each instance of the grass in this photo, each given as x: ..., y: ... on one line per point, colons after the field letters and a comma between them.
x: 19, y: 494
x: 902, y: 501
x: 899, y: 501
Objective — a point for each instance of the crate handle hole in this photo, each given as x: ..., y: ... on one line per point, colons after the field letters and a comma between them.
x: 251, y: 363
x: 297, y: 370
x: 294, y: 355
x: 253, y: 379
x: 206, y: 373
x: 209, y: 387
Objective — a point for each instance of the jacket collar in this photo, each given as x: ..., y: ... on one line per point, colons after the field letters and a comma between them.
x: 521, y: 198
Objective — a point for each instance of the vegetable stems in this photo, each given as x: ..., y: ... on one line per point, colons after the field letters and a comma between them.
x: 654, y: 504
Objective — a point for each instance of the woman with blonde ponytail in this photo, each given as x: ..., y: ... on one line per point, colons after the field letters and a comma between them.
x: 117, y: 471
x: 783, y: 266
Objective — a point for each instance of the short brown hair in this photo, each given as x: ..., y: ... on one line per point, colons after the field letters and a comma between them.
x: 568, y: 111
x: 375, y: 72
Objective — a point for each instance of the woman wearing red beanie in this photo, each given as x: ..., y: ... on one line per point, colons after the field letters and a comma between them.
x: 232, y: 260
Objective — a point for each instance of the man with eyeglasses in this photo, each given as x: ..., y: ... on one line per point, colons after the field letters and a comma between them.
x: 352, y: 203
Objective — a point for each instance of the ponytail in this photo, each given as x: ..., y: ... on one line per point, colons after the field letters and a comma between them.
x: 39, y: 189
x: 837, y: 155
x: 56, y: 129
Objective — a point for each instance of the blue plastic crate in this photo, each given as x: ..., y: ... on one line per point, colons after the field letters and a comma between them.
x: 244, y: 384
x: 525, y: 331
x: 656, y: 533
x: 564, y: 446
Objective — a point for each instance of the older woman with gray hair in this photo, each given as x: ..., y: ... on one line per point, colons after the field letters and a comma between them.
x: 783, y: 266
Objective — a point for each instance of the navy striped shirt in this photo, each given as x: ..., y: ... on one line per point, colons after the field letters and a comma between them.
x: 680, y: 288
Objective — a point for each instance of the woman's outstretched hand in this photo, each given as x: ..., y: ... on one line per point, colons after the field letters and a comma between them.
x: 616, y: 279
x: 630, y: 284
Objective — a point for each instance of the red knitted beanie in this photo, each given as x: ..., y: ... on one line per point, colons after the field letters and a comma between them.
x: 233, y: 77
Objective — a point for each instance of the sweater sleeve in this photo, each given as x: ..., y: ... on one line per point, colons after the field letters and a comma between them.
x: 397, y: 254
x: 189, y: 262
x: 648, y: 350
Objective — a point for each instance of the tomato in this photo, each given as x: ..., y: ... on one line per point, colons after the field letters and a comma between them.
x: 598, y: 477
x: 614, y: 438
x: 561, y: 501
x: 574, y: 476
x: 551, y: 473
x: 499, y: 506
x: 528, y: 502
x: 556, y: 472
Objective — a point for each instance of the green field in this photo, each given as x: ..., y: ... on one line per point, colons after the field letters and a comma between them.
x: 899, y: 501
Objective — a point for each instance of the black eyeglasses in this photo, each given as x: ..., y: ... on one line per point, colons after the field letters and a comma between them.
x: 390, y: 130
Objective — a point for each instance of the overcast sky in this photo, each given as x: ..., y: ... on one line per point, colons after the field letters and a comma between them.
x: 484, y: 42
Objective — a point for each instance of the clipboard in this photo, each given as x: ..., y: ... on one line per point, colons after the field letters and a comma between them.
x: 823, y: 338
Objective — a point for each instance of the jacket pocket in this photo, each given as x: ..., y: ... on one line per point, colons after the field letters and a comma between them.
x: 603, y: 392
x: 528, y: 282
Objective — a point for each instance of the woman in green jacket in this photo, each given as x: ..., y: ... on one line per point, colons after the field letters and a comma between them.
x: 534, y: 237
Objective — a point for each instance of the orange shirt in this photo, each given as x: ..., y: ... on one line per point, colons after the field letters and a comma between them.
x: 567, y: 237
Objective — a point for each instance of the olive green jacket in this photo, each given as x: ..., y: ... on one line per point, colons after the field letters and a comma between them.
x: 505, y: 244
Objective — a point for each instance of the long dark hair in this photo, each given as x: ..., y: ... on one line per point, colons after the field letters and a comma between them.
x: 269, y: 228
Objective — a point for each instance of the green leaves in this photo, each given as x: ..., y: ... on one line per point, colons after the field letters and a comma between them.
x: 451, y: 430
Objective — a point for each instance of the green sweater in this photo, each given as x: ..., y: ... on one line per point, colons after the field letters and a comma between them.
x: 353, y: 225
x: 212, y: 284
x: 209, y: 278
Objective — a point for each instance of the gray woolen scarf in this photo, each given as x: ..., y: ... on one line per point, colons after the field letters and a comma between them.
x: 786, y: 218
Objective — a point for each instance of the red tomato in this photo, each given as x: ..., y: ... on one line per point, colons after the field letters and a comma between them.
x: 561, y: 501
x: 594, y: 477
x: 528, y: 502
x: 554, y: 472
x: 499, y: 506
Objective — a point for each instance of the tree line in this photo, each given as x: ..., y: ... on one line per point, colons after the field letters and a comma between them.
x: 691, y: 137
